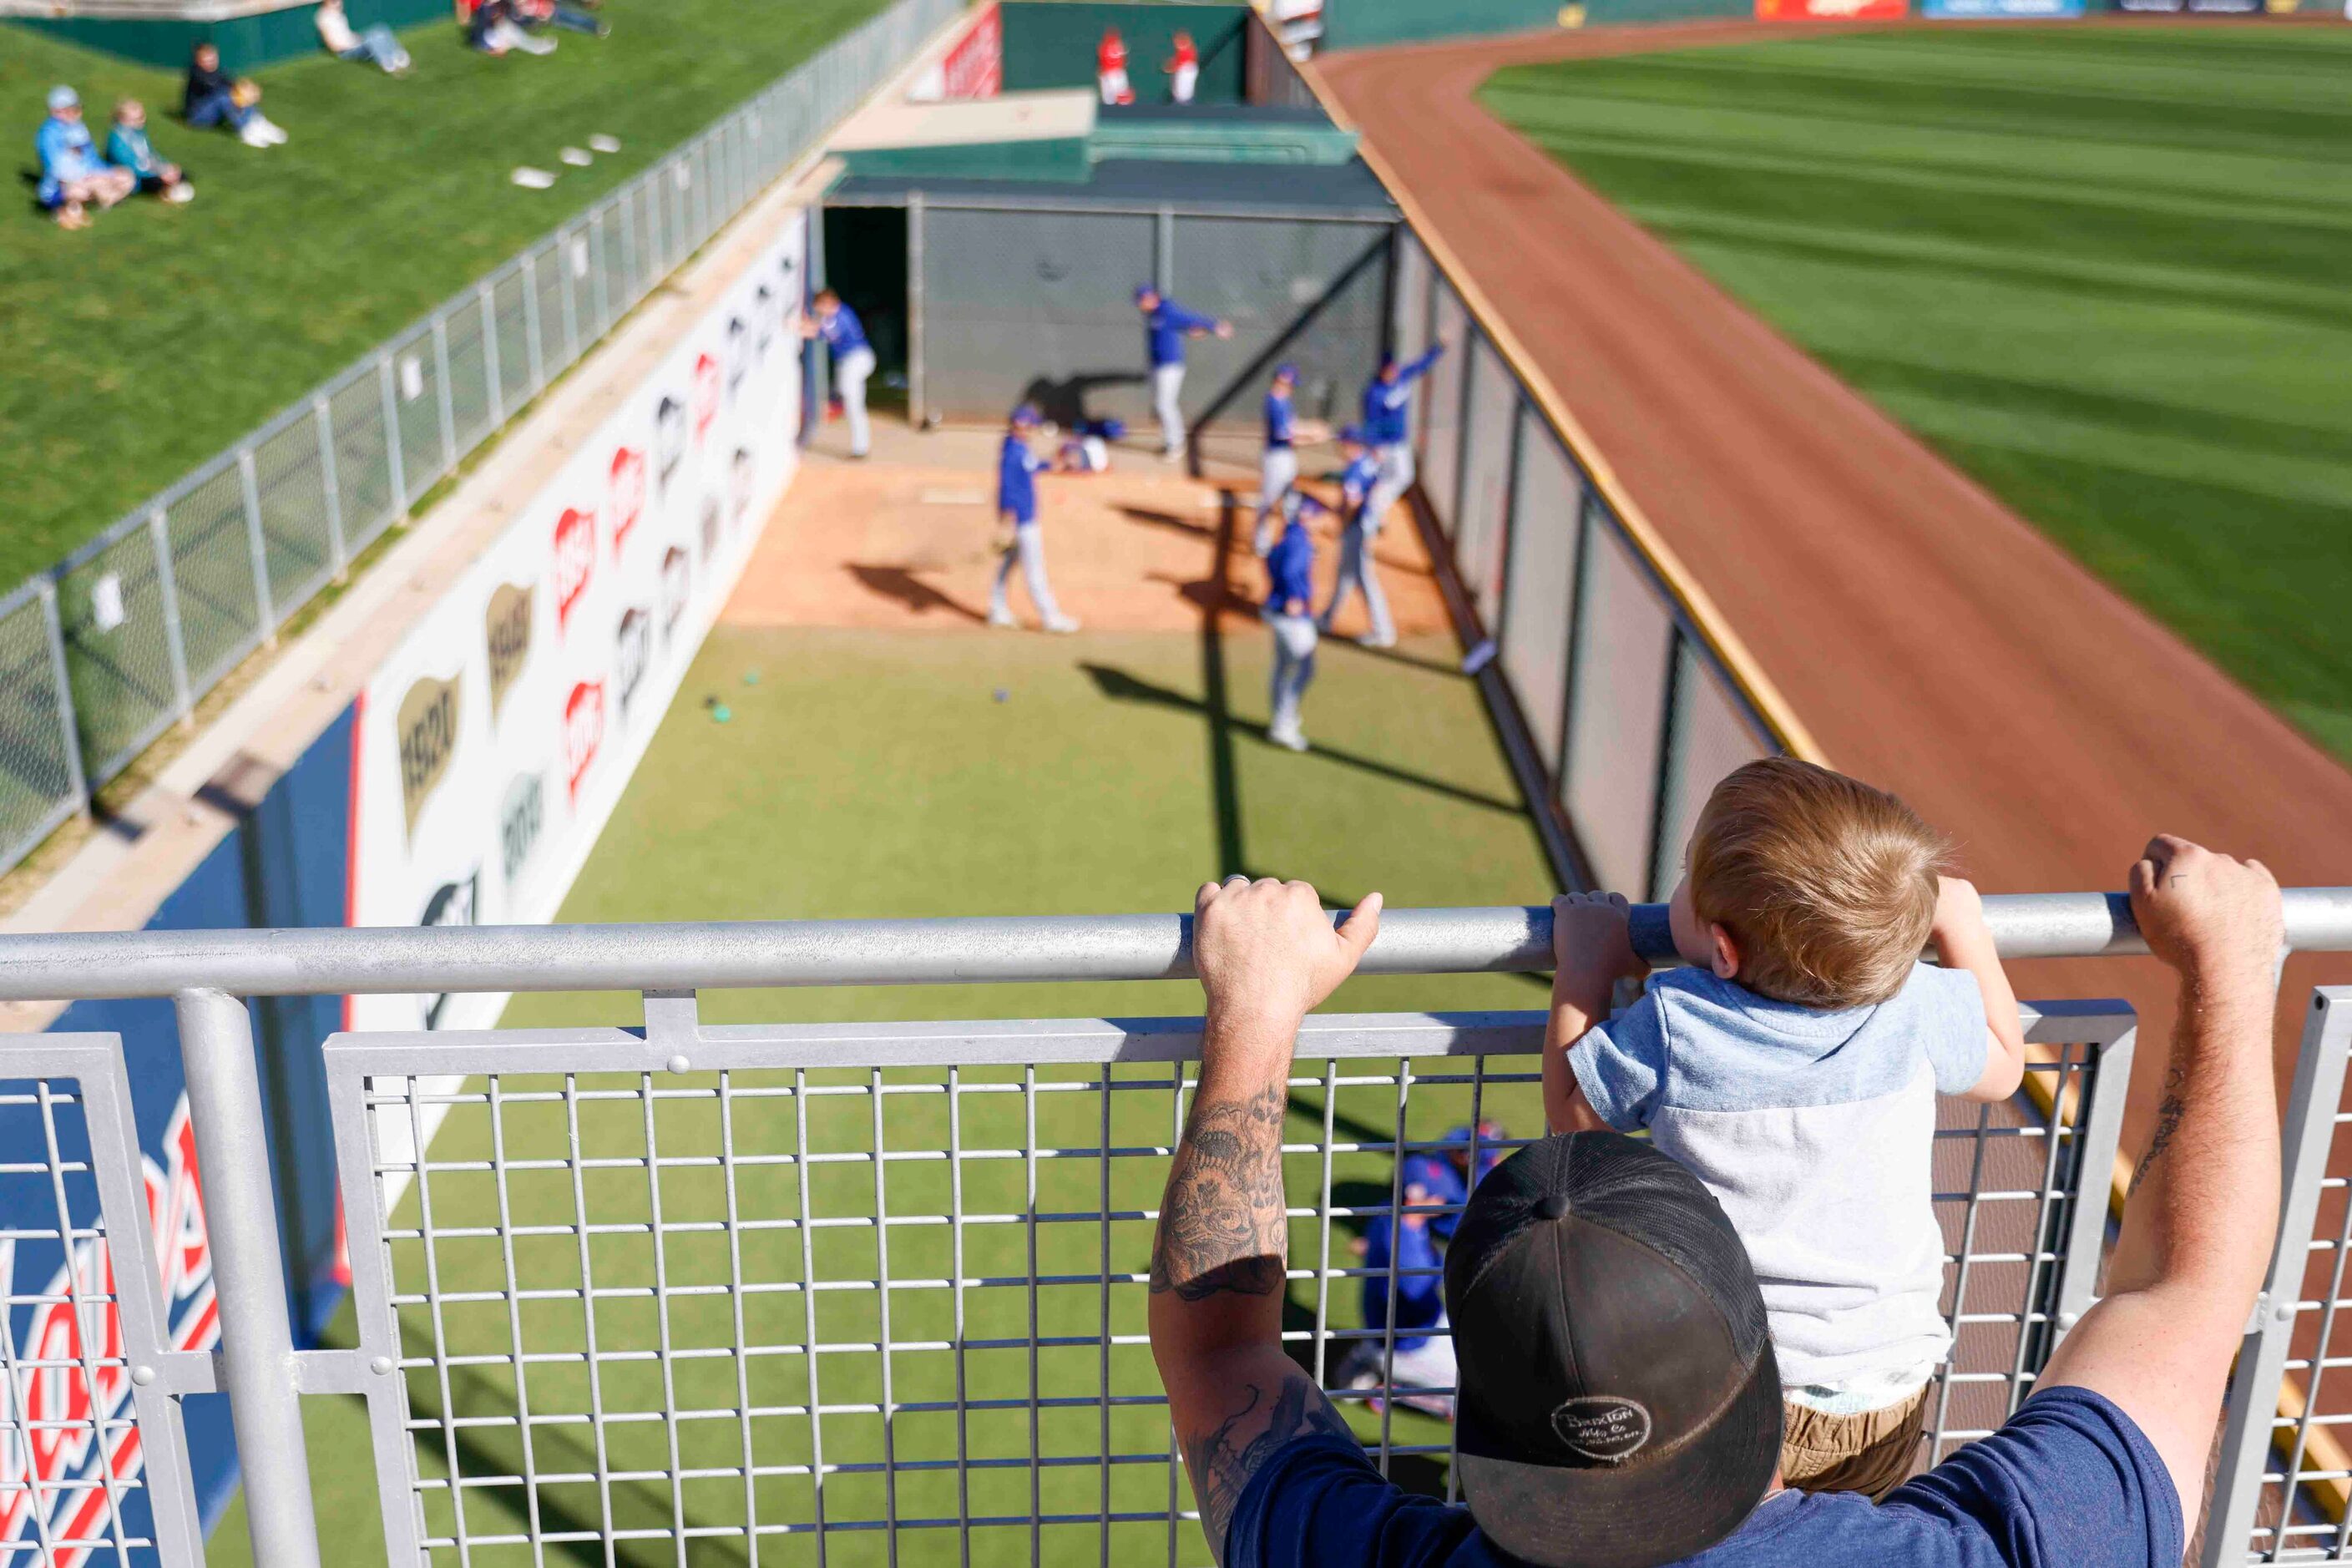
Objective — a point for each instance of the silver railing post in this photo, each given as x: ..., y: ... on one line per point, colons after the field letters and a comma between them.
x: 2250, y: 1412
x: 395, y: 463
x: 447, y: 399
x: 916, y: 335
x: 530, y: 324
x: 256, y: 546
x: 498, y: 398
x: 2098, y: 1125
x: 249, y: 1279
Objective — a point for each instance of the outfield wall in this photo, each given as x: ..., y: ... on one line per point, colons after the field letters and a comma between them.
x: 1051, y: 44
x: 246, y: 43
x: 465, y: 781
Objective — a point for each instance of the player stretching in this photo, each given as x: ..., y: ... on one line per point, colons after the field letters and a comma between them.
x: 1358, y: 482
x: 1183, y: 68
x: 1289, y: 607
x: 1016, y: 510
x: 1170, y: 324
x: 853, y: 361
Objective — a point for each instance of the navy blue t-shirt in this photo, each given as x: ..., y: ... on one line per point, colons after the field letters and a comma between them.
x: 2070, y: 1483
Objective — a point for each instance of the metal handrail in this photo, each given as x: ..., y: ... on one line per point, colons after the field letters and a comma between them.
x: 395, y: 960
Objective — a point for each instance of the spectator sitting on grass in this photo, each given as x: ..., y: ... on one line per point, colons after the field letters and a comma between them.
x: 72, y: 175
x: 376, y: 47
x: 536, y: 13
x: 212, y: 99
x: 494, y: 30
x: 127, y: 148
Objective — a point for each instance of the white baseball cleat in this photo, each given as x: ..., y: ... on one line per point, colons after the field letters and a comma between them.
x: 1293, y: 739
x: 1377, y: 639
x: 997, y: 616
x: 1062, y: 625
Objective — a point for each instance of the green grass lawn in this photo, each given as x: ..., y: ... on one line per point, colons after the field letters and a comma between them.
x: 138, y: 348
x: 872, y: 774
x: 2099, y: 269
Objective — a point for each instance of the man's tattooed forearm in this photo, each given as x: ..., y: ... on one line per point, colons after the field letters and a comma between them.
x: 1221, y: 1224
x: 2168, y: 1122
x: 1222, y: 1462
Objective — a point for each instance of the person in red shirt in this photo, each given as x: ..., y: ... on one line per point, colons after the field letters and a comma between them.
x: 1184, y: 68
x: 1110, y: 68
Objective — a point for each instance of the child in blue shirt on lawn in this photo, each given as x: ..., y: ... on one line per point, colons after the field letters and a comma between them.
x: 1794, y: 1068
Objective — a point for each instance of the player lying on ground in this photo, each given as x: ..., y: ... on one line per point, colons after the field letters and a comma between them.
x: 1619, y: 1407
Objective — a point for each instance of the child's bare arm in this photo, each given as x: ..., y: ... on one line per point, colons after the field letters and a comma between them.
x: 1963, y: 941
x: 1591, y: 946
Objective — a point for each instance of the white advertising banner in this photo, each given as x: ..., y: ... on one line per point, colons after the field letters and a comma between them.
x: 494, y: 744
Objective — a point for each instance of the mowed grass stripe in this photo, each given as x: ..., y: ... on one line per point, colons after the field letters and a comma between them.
x: 867, y: 774
x: 2123, y: 311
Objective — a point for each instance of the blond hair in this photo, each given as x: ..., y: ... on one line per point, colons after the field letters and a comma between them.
x: 1827, y: 886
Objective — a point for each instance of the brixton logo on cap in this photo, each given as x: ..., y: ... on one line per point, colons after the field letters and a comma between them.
x: 1603, y: 1426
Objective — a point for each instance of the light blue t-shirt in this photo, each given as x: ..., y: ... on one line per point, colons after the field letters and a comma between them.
x: 1815, y: 1130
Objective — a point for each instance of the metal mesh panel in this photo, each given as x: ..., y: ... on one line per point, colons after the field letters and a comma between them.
x: 551, y: 273
x: 289, y: 482
x: 1623, y: 633
x: 118, y: 647
x: 362, y: 461
x: 469, y: 376
x: 509, y: 309
x: 1710, y: 736
x: 1546, y: 523
x: 38, y: 786
x: 1488, y: 419
x: 902, y: 1304
x: 1440, y: 415
x: 416, y: 401
x: 1035, y: 304
x: 1265, y: 275
x: 212, y: 572
x: 1410, y: 326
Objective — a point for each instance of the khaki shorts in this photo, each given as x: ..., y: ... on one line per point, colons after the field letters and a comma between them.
x: 1869, y: 1453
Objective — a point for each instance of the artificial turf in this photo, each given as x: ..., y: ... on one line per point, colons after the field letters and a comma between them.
x: 868, y: 773
x: 2100, y: 269
x: 140, y: 346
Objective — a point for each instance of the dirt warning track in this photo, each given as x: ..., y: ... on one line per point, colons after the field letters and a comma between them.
x: 1931, y: 639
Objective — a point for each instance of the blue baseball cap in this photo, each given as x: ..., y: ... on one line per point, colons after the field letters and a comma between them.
x: 1286, y: 371
x: 63, y: 98
x: 1026, y: 414
x: 1145, y: 291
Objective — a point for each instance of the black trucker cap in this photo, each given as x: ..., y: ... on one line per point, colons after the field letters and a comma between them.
x: 1620, y: 1406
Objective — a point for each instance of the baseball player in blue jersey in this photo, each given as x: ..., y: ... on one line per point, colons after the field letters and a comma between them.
x: 1016, y: 508
x: 1360, y: 482
x: 1290, y: 611
x: 853, y: 361
x: 1167, y: 324
x: 1279, y: 468
x: 1387, y: 424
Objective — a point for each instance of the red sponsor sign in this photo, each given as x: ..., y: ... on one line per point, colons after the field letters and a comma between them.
x: 575, y: 560
x: 1832, y: 10
x: 583, y: 730
x: 86, y: 1402
x: 975, y: 67
x: 706, y: 395
x: 625, y: 497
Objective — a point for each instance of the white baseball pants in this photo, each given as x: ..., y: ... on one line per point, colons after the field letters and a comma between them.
x: 1028, y: 548
x: 1293, y: 667
x: 849, y: 373
x: 1356, y: 571
x: 1166, y: 394
x: 1276, y: 472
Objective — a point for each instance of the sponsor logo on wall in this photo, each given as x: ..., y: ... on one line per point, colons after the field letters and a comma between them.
x: 706, y: 395
x: 669, y: 440
x: 737, y: 362
x: 575, y: 561
x: 506, y: 634
x: 584, y: 731
x: 520, y: 818
x: 625, y: 497
x: 1832, y: 10
x: 452, y: 904
x: 975, y: 67
x: 710, y: 529
x: 631, y: 653
x: 427, y: 727
x: 677, y: 585
x: 763, y: 322
x: 740, y: 477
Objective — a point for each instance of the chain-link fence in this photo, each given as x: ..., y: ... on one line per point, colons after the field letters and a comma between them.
x: 107, y: 650
x: 1035, y: 299
x: 1621, y: 704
